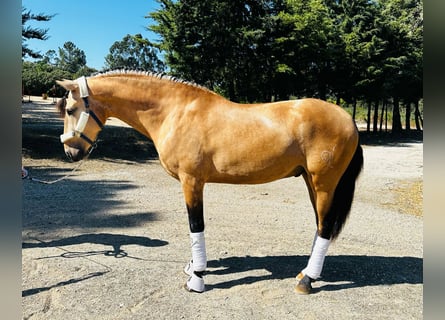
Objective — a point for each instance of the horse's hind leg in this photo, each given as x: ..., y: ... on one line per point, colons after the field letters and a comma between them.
x: 193, y: 193
x: 321, y: 201
x: 332, y: 191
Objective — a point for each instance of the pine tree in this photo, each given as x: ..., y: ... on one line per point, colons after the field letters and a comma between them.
x: 134, y: 52
x: 32, y: 33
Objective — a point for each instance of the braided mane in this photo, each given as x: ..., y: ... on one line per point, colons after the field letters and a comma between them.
x: 161, y: 76
x: 61, y: 104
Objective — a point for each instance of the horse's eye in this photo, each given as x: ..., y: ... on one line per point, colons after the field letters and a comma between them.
x: 70, y: 112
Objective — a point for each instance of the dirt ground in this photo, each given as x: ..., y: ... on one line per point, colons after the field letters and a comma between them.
x: 110, y: 241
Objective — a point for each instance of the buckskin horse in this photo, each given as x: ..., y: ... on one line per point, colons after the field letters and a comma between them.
x: 202, y: 138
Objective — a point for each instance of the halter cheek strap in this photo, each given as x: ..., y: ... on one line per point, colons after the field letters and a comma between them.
x: 84, y: 116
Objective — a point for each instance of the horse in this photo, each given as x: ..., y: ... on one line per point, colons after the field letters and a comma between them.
x: 202, y: 137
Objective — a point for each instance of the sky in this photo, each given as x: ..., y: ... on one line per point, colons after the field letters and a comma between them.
x: 92, y: 25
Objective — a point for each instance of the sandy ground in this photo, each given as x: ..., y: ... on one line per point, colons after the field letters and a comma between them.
x: 110, y: 241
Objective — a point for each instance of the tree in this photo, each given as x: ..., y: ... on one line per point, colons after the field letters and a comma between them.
x: 310, y: 44
x: 32, y: 33
x: 134, y: 52
x: 214, y: 43
x: 39, y: 77
x: 403, y: 57
x: 50, y: 57
x: 71, y: 58
x: 356, y: 51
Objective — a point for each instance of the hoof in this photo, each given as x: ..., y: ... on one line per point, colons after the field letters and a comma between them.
x: 304, y: 284
x: 195, y: 283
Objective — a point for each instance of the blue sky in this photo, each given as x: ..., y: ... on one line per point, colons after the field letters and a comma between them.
x: 92, y: 25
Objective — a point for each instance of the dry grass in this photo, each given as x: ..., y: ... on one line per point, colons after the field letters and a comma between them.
x: 409, y: 197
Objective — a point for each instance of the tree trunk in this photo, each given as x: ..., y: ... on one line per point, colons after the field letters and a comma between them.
x: 408, y: 117
x: 354, y: 108
x: 382, y: 114
x: 368, y: 118
x: 376, y: 116
x: 396, y: 121
x: 418, y: 117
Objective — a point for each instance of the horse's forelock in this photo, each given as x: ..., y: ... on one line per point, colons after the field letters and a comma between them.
x: 61, y: 105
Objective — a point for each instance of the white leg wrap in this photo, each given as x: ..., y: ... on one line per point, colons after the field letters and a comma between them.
x: 316, y: 260
x: 198, y: 264
x: 199, y: 256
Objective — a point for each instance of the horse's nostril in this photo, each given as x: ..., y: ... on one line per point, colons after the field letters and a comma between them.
x: 75, y: 154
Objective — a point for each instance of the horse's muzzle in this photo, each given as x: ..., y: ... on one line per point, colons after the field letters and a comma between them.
x: 74, y: 154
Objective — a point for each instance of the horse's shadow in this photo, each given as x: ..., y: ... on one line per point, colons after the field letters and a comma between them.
x: 116, y: 241
x: 340, y: 272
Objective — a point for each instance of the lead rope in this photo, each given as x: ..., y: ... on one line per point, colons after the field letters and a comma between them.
x: 68, y: 174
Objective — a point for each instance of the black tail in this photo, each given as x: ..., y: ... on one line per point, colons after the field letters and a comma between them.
x: 344, y: 193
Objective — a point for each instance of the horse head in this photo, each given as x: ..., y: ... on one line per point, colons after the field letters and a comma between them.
x: 81, y: 125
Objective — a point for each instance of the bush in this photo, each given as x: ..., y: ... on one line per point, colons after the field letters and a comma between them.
x: 39, y: 78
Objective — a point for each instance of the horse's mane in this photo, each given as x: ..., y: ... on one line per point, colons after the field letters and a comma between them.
x: 150, y: 74
x: 61, y: 104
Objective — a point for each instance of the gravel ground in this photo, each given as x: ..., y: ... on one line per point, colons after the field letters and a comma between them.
x: 110, y: 241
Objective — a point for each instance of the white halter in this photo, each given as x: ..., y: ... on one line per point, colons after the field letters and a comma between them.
x: 84, y: 116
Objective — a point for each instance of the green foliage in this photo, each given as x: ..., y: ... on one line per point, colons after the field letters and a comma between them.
x: 256, y: 50
x: 40, y: 77
x: 219, y: 44
x: 32, y: 33
x: 71, y: 58
x: 134, y: 52
x: 322, y: 48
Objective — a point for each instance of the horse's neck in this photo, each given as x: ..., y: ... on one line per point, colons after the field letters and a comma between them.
x: 143, y: 106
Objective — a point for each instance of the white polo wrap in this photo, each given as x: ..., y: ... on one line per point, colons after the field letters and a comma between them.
x: 199, y: 256
x: 315, y: 264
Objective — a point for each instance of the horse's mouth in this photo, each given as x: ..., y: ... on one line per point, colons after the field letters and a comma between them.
x: 75, y: 154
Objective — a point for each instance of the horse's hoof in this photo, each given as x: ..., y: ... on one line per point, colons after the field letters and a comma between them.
x: 304, y: 285
x: 186, y: 287
x: 195, y: 283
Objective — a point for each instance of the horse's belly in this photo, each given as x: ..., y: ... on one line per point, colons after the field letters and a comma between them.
x: 253, y: 178
x: 255, y: 169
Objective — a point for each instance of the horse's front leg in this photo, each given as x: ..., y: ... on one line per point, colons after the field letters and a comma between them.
x: 193, y: 193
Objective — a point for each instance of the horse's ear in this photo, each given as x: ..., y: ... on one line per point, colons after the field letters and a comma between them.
x: 67, y: 84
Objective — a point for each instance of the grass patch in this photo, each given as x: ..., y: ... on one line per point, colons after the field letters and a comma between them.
x: 409, y: 197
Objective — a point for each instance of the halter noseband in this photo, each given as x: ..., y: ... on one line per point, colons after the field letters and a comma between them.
x: 84, y: 116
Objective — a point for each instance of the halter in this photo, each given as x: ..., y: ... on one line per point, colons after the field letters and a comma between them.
x: 84, y: 116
